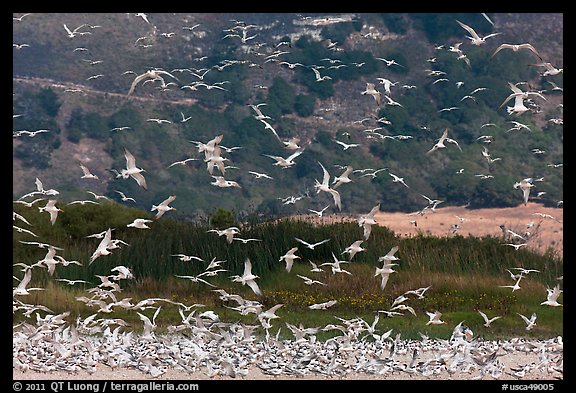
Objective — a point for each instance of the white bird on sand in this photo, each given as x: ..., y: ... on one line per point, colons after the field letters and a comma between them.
x: 248, y: 278
x: 525, y: 185
x: 139, y: 223
x: 325, y: 186
x: 353, y: 249
x: 516, y: 48
x: 530, y: 323
x: 51, y: 209
x: 370, y: 89
x: 474, y: 37
x: 102, y: 248
x: 311, y: 246
x: 366, y: 221
x: 552, y: 298
x: 164, y: 206
x: 132, y: 170
x: 488, y: 321
x: 152, y: 75
x: 435, y: 318
x: 384, y: 272
x: 289, y: 258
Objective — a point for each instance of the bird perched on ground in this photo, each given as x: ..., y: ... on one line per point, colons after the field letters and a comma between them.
x: 163, y: 207
x: 152, y: 75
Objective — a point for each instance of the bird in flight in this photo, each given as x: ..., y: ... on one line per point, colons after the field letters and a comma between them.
x: 371, y: 90
x: 132, y: 170
x: 289, y: 258
x: 440, y: 144
x: 325, y: 186
x: 516, y: 48
x: 248, y: 278
x: 488, y: 321
x: 163, y: 207
x: 311, y: 246
x: 552, y: 298
x: 474, y: 37
x: 151, y: 75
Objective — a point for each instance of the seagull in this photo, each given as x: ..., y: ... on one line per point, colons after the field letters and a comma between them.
x: 149, y: 326
x: 318, y: 77
x: 285, y: 162
x: 552, y: 298
x: 322, y: 306
x: 102, y: 248
x: 289, y: 258
x: 220, y: 181
x: 140, y: 223
x: 370, y: 89
x: 23, y: 230
x: 550, y: 69
x: 366, y: 221
x: 87, y: 174
x: 152, y: 75
x: 516, y: 285
x: 516, y: 48
x: 228, y: 232
x: 309, y: 281
x: 319, y: 213
x: 343, y: 178
x: 474, y: 37
x: 315, y: 268
x: 163, y: 207
x: 353, y: 249
x: 387, y: 84
x: 519, y: 96
x: 195, y: 279
x: 397, y: 179
x: 390, y: 255
x: 182, y: 162
x: 132, y: 170
x: 188, y: 258
x: 530, y: 323
x: 440, y: 144
x: 324, y: 186
x: 310, y: 245
x: 487, y: 321
x: 248, y: 278
x: 435, y: 318
x: 52, y: 209
x: 525, y: 185
x: 72, y: 282
x: 384, y: 272
x: 259, y: 175
x: 346, y: 146
x: 21, y: 288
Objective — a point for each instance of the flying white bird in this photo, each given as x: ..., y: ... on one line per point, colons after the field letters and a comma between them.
x: 289, y: 258
x: 530, y: 323
x: 311, y: 246
x: 248, y: 278
x: 51, y: 208
x: 132, y: 170
x: 325, y: 186
x: 384, y: 272
x: 353, y: 249
x: 371, y: 90
x: 552, y: 298
x: 102, y: 248
x: 366, y: 221
x: 440, y: 144
x: 525, y: 185
x: 516, y: 48
x: 164, y: 206
x: 488, y: 321
x: 474, y: 37
x: 435, y: 318
x: 139, y: 223
x: 151, y: 75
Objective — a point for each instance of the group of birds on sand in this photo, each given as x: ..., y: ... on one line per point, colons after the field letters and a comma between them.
x: 222, y: 349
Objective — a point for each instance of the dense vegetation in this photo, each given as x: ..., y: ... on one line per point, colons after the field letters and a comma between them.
x: 295, y: 102
x: 464, y: 273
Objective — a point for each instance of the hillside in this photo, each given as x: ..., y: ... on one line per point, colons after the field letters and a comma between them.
x: 247, y: 59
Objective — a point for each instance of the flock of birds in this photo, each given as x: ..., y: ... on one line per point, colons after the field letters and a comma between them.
x: 220, y: 348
